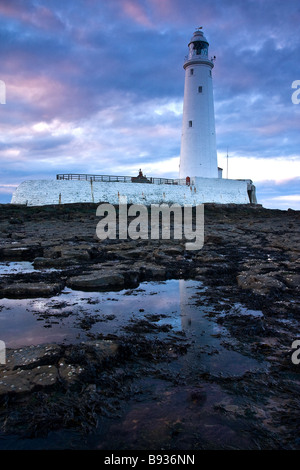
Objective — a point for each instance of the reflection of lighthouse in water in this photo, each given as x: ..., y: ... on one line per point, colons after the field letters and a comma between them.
x: 208, y: 353
x: 193, y: 319
x: 199, y: 329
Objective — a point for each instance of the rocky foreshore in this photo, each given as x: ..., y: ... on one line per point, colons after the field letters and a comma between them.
x: 250, y: 256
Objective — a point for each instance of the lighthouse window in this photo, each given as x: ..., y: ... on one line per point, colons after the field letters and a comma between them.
x: 192, y: 71
x: 190, y: 123
x: 199, y: 89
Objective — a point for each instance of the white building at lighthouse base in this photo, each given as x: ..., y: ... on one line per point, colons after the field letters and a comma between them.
x: 200, y: 190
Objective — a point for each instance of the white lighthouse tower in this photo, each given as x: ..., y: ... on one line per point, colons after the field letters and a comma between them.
x: 198, y: 156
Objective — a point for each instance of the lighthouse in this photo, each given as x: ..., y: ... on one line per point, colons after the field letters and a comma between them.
x: 198, y: 159
x: 198, y: 155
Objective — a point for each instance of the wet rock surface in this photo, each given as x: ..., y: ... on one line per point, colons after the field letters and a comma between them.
x: 147, y: 387
x: 30, y: 289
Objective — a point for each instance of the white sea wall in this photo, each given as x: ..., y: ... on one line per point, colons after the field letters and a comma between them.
x: 47, y: 192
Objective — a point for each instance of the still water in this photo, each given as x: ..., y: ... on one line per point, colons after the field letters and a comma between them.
x: 75, y: 316
x: 161, y: 414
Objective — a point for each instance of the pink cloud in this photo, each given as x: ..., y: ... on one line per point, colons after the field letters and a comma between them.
x: 41, y: 97
x: 45, y: 19
x: 39, y: 89
x: 274, y: 128
x: 7, y: 188
x: 10, y: 9
x: 38, y: 16
x: 135, y: 12
x: 163, y: 8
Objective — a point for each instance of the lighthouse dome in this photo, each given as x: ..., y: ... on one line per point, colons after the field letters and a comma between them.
x: 198, y: 36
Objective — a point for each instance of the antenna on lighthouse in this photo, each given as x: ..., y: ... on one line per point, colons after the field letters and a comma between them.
x: 227, y: 162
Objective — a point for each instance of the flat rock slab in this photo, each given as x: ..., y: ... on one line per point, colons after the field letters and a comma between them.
x: 38, y: 367
x: 29, y: 368
x: 25, y: 380
x: 22, y: 290
x: 110, y: 277
x: 20, y: 251
x: 259, y: 283
x: 150, y: 270
x: 40, y: 262
x: 33, y: 356
x: 97, y: 280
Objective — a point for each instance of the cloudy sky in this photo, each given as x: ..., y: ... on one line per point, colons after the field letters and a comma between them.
x: 96, y: 86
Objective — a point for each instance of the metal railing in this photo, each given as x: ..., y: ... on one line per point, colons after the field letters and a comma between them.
x: 119, y: 179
